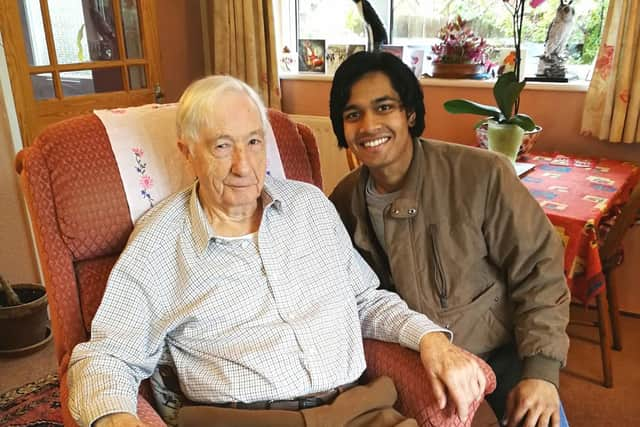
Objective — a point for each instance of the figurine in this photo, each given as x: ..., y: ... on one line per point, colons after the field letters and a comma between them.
x: 376, y: 34
x: 552, y: 61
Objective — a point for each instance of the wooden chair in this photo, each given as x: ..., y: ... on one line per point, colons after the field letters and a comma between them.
x: 608, y: 309
x: 81, y: 223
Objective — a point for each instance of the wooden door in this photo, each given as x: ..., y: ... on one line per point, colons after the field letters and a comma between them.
x: 68, y: 57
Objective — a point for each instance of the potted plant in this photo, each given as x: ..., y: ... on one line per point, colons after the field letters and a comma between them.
x: 505, y: 129
x: 24, y: 323
x: 504, y: 126
x: 460, y: 53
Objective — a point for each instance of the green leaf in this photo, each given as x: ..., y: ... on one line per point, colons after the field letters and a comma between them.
x: 506, y: 90
x: 463, y: 106
x: 79, y: 37
x: 522, y: 120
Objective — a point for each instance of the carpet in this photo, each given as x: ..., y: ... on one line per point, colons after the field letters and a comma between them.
x: 35, y: 404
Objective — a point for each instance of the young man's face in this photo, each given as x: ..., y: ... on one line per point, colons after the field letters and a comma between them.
x: 376, y: 124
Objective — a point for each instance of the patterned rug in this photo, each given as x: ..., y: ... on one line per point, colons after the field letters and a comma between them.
x: 35, y: 404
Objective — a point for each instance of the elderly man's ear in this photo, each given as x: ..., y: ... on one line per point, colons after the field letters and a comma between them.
x: 183, y: 146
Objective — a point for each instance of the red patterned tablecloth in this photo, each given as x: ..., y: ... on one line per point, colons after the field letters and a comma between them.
x: 578, y: 195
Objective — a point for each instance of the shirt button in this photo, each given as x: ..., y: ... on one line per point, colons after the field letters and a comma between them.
x: 411, y: 211
x: 396, y: 211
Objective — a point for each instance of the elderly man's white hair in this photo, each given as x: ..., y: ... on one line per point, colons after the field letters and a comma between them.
x: 202, y: 97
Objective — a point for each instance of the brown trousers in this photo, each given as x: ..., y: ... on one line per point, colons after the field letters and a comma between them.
x: 368, y: 405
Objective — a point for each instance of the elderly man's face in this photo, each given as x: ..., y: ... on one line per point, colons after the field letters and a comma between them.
x: 230, y: 157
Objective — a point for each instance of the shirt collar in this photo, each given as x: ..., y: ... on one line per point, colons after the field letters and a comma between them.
x: 202, y: 230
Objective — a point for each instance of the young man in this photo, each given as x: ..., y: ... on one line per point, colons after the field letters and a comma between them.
x: 251, y: 286
x: 452, y: 230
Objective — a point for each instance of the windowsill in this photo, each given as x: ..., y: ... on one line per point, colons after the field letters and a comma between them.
x: 572, y: 86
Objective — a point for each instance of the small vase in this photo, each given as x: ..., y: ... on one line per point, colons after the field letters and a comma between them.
x: 456, y: 71
x: 505, y: 139
x: 528, y: 140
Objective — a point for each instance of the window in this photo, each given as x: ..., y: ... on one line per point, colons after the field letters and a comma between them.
x: 416, y: 23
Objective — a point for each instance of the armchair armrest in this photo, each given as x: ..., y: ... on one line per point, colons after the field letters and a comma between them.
x: 414, y: 397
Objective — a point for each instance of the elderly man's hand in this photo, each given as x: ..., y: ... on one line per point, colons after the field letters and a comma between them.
x: 533, y: 402
x: 119, y: 419
x: 455, y: 376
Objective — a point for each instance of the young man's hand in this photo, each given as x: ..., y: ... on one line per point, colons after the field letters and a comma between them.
x: 533, y: 402
x: 455, y: 376
x: 119, y: 419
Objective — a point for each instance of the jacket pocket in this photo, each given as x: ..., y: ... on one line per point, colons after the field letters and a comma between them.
x: 439, y: 277
x: 476, y: 326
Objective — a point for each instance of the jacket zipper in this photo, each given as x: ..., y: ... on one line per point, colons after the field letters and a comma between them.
x: 438, y: 272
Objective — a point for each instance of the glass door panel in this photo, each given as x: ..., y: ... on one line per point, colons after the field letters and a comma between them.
x: 83, y: 30
x: 131, y: 28
x: 35, y: 41
x: 87, y: 82
x: 43, y: 86
x: 137, y: 77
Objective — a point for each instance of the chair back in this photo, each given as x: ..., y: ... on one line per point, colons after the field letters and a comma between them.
x: 613, y: 239
x: 80, y: 216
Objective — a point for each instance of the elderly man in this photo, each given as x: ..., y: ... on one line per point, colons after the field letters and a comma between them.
x: 454, y: 232
x: 251, y: 286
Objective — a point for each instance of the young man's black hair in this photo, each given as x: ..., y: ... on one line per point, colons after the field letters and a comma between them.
x: 403, y: 81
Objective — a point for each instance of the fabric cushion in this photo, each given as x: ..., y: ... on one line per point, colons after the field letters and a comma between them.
x: 92, y: 211
x: 293, y: 151
x: 92, y: 278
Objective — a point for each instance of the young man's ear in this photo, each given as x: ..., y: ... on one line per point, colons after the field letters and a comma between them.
x: 411, y: 118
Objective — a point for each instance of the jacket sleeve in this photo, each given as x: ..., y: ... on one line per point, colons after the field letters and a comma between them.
x: 523, y: 243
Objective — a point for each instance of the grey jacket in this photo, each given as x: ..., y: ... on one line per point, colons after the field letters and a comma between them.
x: 472, y: 249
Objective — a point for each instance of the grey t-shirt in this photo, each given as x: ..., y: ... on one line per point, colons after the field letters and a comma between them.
x: 376, y: 204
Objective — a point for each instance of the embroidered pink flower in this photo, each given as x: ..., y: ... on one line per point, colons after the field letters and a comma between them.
x: 605, y: 61
x: 146, y: 182
x: 536, y: 3
x: 137, y: 151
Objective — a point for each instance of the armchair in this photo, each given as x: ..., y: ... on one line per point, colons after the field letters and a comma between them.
x: 81, y: 223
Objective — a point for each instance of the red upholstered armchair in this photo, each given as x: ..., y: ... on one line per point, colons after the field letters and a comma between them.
x: 81, y: 223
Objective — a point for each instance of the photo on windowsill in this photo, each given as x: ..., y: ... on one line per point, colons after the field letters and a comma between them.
x: 337, y: 53
x: 311, y: 53
x: 414, y: 58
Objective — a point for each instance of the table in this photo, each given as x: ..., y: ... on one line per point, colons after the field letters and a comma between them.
x: 580, y: 196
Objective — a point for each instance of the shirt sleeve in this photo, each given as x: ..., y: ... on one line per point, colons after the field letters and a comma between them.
x: 105, y: 372
x: 383, y: 315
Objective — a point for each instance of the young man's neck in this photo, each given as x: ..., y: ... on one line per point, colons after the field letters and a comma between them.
x: 388, y: 179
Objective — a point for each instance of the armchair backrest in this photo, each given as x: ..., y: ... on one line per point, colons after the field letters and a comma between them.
x: 80, y: 215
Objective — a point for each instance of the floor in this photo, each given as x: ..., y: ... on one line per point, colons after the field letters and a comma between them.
x: 587, y: 403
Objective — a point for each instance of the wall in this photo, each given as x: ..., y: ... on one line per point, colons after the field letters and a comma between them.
x: 17, y: 256
x: 557, y: 111
x: 181, y: 51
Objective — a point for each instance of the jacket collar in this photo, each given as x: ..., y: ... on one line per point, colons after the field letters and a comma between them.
x: 406, y: 204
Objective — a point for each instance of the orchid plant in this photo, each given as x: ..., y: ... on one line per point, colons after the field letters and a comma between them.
x: 516, y: 8
x: 459, y: 45
x: 508, y: 87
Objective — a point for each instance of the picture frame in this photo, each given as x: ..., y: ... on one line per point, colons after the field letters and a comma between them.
x: 311, y: 56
